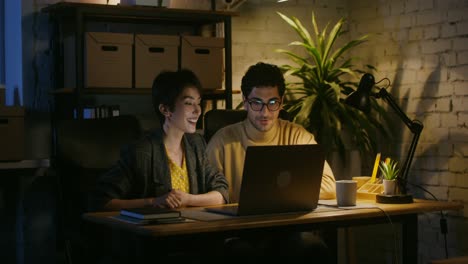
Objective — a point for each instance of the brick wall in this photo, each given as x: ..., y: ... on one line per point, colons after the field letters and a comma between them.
x: 422, y: 47
x: 258, y: 31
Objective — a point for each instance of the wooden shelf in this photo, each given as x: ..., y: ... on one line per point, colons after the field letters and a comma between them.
x: 209, y: 94
x: 75, y: 19
x: 135, y: 13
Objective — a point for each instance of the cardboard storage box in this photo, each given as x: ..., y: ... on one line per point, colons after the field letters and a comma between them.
x: 189, y: 4
x: 204, y: 56
x: 11, y: 133
x: 153, y: 54
x: 108, y: 60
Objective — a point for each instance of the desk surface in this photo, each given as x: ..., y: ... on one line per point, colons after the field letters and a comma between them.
x: 334, y: 215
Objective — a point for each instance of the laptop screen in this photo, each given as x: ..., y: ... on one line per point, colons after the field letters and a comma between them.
x: 281, y: 179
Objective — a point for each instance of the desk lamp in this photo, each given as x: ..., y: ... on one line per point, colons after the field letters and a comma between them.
x: 360, y: 99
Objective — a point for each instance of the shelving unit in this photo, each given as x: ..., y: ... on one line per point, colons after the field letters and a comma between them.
x: 75, y: 19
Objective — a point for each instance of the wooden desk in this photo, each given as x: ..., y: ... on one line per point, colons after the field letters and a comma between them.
x: 406, y: 214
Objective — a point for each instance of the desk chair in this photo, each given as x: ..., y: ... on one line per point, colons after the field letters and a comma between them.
x: 84, y: 149
x: 219, y: 118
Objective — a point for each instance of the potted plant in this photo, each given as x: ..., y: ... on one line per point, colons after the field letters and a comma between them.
x: 390, y: 171
x: 325, y: 77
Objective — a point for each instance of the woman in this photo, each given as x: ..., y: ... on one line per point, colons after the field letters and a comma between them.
x: 168, y: 168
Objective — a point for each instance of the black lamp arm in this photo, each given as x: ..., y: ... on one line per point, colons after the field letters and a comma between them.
x: 416, y: 128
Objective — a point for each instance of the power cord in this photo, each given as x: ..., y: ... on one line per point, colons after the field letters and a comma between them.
x: 443, y: 220
x: 395, y: 239
x: 396, y: 259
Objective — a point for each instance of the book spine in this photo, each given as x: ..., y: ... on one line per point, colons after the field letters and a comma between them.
x: 138, y: 216
x: 153, y: 216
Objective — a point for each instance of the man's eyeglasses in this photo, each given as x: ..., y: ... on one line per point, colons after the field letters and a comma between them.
x: 257, y: 105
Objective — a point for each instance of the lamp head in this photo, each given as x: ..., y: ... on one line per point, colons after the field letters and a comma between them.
x: 360, y: 98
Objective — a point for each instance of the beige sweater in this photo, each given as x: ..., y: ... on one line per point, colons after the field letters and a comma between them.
x: 227, y: 147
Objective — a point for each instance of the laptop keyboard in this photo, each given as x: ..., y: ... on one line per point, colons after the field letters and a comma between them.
x: 224, y: 209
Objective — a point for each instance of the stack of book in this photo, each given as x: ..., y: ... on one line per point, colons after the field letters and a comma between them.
x: 150, y: 215
x: 101, y: 111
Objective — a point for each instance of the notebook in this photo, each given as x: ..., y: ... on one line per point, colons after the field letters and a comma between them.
x: 278, y: 179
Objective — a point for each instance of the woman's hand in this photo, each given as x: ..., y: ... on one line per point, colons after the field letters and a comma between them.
x: 183, y: 197
x: 173, y: 199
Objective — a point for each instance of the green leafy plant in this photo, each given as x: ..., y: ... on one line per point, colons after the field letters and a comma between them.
x: 389, y: 169
x: 325, y: 76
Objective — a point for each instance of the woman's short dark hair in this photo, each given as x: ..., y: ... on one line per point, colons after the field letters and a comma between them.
x: 262, y: 74
x: 168, y: 85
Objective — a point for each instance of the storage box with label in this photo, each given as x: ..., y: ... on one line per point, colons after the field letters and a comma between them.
x: 11, y: 133
x: 153, y: 54
x: 204, y: 56
x: 189, y: 4
x: 108, y: 60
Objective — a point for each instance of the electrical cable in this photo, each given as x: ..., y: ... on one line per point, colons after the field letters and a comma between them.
x: 443, y: 220
x: 384, y: 79
x: 395, y: 238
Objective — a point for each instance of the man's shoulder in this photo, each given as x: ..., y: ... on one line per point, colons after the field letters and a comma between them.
x: 296, y: 132
x: 291, y: 125
x: 232, y: 127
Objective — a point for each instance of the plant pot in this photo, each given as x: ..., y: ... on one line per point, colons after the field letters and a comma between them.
x: 389, y: 187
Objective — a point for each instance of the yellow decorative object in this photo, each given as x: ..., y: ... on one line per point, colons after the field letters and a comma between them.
x: 369, y: 190
x: 376, y: 166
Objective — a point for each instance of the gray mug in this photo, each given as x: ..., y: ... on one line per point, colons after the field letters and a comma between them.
x: 346, y: 192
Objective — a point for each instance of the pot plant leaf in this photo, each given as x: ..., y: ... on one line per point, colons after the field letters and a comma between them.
x: 321, y: 79
x: 389, y: 169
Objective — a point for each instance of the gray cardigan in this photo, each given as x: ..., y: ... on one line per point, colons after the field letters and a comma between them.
x: 143, y: 171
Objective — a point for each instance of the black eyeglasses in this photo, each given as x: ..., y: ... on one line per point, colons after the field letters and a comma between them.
x: 257, y: 105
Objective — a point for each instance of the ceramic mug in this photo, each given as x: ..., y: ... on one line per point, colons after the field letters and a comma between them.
x: 346, y: 192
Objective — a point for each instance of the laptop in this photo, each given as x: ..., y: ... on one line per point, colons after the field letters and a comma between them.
x: 278, y: 179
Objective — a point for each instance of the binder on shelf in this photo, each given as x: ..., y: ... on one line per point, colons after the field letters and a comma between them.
x: 102, y: 111
x: 114, y: 110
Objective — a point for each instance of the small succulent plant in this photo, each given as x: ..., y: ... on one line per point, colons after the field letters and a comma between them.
x: 389, y: 169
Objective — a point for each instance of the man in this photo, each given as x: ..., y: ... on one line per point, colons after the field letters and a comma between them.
x: 263, y: 88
